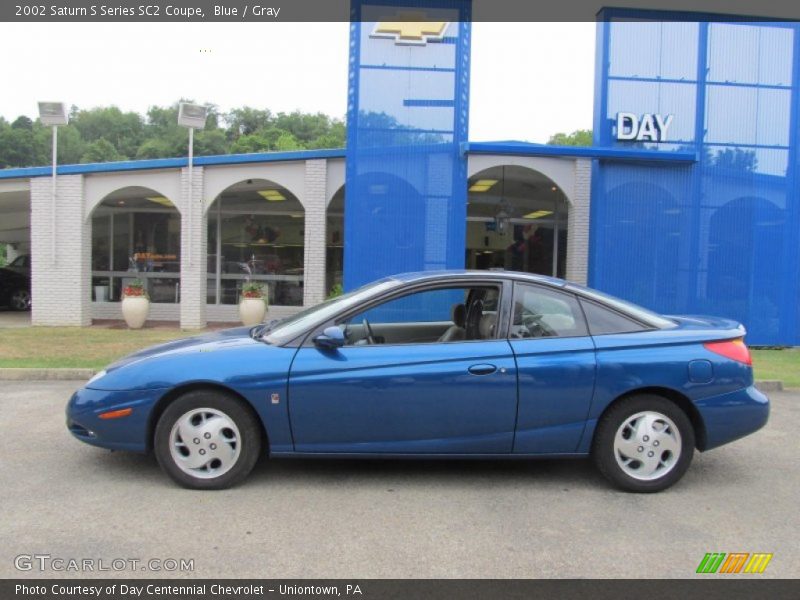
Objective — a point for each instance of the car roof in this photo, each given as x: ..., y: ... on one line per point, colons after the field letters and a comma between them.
x: 419, y: 276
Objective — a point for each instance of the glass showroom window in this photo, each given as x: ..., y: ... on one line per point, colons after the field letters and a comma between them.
x: 136, y: 235
x: 256, y: 232
x: 516, y: 220
x: 334, y: 249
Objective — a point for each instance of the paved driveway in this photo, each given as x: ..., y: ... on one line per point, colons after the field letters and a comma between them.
x: 390, y: 519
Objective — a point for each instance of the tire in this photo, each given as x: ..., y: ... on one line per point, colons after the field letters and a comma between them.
x: 643, y: 443
x: 222, y: 440
x: 20, y: 299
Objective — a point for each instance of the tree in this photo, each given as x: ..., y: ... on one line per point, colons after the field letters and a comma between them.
x: 101, y: 151
x: 579, y: 137
x: 246, y: 121
x: 19, y: 148
x: 125, y: 131
x: 287, y: 141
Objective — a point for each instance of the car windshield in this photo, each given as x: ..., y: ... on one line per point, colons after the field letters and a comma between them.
x: 637, y: 312
x: 289, y: 328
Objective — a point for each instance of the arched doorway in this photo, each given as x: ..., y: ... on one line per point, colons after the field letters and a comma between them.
x: 136, y: 234
x: 516, y: 220
x: 256, y: 231
x: 334, y: 243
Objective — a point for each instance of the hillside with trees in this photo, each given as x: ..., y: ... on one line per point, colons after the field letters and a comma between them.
x: 108, y: 134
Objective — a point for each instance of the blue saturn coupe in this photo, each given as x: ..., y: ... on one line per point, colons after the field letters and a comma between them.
x: 483, y: 364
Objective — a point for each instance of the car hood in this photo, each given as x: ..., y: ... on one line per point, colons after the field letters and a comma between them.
x: 230, y: 358
x: 208, y: 342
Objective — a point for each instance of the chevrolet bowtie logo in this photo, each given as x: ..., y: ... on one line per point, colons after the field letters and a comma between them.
x: 409, y: 28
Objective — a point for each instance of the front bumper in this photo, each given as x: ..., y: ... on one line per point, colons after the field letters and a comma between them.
x: 126, y: 433
x: 728, y: 417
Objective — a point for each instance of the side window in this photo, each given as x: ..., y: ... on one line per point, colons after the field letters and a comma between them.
x: 439, y: 315
x: 541, y: 312
x: 603, y: 320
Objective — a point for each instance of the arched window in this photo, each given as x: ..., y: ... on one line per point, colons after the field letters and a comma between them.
x: 516, y: 220
x: 136, y: 234
x: 334, y: 243
x: 256, y: 232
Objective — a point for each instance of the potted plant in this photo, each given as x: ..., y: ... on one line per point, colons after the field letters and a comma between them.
x: 135, y: 304
x: 253, y: 304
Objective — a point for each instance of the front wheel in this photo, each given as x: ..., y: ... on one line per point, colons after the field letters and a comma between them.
x: 207, y: 440
x: 644, y: 443
x: 20, y: 300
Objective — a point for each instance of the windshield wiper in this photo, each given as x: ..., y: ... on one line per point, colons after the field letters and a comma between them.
x: 259, y: 330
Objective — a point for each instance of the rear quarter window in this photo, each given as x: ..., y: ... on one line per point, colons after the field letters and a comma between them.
x: 604, y: 321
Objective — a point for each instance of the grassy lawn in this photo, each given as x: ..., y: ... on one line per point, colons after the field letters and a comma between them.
x: 96, y: 347
x: 778, y: 364
x: 90, y: 347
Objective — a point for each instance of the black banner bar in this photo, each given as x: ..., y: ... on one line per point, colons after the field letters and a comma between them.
x: 270, y: 11
x: 713, y: 588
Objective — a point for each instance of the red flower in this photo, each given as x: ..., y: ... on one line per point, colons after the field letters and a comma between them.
x: 133, y: 291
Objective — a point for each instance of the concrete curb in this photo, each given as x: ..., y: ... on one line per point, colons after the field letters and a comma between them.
x: 770, y: 385
x: 22, y: 374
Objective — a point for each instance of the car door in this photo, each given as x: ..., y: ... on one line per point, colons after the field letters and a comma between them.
x: 556, y: 367
x: 422, y: 396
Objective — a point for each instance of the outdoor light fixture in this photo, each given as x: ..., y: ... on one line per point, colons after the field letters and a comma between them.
x: 53, y: 114
x: 194, y: 117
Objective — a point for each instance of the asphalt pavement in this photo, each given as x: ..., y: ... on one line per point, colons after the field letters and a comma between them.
x: 384, y: 519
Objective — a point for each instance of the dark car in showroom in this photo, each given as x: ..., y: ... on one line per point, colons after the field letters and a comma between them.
x: 15, y: 289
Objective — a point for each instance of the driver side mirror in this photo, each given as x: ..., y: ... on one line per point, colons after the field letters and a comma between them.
x: 330, y: 339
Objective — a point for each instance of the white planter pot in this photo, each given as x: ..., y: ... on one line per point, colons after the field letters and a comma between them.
x: 134, y: 311
x: 252, y: 311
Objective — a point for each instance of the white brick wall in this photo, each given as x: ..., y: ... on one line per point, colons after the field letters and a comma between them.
x: 60, y: 288
x: 193, y: 252
x: 315, y: 201
x: 578, y: 222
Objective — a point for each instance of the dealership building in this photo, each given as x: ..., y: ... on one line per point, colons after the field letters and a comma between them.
x: 687, y: 201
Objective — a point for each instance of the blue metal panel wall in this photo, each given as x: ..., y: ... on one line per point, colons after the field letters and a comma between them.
x: 405, y: 194
x: 720, y: 236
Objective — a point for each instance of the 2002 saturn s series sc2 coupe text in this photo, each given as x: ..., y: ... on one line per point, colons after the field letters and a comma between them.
x: 487, y: 364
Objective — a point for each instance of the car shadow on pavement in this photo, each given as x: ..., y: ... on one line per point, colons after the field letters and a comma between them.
x: 720, y: 469
x: 321, y: 472
x: 425, y: 472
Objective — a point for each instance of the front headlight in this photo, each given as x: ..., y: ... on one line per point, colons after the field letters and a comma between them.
x: 97, y: 376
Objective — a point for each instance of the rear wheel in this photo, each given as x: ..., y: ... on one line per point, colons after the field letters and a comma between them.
x: 207, y: 440
x: 644, y: 443
x: 20, y: 300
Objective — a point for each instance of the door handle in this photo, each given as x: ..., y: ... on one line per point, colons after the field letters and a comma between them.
x: 482, y: 369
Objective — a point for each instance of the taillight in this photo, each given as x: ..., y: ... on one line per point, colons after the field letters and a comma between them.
x: 734, y: 349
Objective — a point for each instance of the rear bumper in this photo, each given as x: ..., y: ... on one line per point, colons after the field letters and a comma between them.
x: 728, y: 417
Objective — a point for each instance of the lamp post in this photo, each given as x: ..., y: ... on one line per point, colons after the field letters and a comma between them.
x: 192, y: 116
x: 53, y: 114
